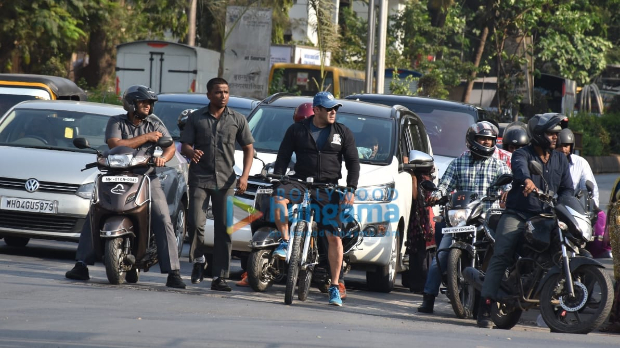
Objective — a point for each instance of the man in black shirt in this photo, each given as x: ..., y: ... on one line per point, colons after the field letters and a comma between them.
x: 521, y: 204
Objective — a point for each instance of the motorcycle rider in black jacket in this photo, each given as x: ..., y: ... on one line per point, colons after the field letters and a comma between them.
x: 521, y: 203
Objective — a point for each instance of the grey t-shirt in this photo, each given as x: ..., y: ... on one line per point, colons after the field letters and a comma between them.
x: 121, y: 128
x: 320, y: 135
x: 216, y: 138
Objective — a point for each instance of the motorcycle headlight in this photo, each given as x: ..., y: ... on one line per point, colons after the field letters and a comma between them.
x: 458, y: 217
x: 136, y: 160
x: 86, y: 190
x: 119, y: 161
x: 378, y: 193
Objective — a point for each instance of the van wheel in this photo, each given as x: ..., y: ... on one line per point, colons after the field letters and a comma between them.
x: 19, y: 242
x: 384, y: 277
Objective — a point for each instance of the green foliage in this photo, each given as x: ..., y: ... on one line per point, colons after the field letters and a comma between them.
x: 353, y: 39
x: 402, y: 87
x: 597, y: 133
x: 431, y: 85
x: 101, y: 94
x: 277, y: 85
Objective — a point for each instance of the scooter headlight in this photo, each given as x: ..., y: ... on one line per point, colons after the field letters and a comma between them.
x: 119, y: 161
x: 458, y: 217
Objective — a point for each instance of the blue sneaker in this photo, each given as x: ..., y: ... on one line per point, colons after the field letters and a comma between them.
x: 281, y: 250
x: 334, y: 296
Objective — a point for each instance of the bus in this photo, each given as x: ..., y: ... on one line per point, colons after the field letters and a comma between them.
x: 302, y: 79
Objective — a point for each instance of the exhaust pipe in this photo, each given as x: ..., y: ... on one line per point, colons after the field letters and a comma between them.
x: 474, y: 277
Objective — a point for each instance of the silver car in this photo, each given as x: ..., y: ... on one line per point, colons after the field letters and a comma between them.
x: 43, y: 191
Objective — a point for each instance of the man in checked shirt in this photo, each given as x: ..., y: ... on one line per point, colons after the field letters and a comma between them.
x: 474, y: 171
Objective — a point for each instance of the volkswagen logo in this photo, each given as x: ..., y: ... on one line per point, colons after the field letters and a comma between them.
x: 32, y: 185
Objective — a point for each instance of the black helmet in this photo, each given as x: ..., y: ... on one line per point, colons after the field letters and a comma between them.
x: 135, y: 93
x: 566, y: 136
x: 515, y: 134
x: 539, y: 124
x: 481, y: 129
x: 183, y: 118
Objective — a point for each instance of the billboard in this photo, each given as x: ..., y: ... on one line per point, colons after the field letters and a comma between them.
x: 246, y: 52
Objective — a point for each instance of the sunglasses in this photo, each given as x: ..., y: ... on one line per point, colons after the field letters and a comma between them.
x: 335, y: 108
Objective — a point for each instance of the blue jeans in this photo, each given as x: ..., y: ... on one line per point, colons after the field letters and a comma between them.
x: 433, y: 279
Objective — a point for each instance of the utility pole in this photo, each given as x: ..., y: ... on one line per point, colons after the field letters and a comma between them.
x: 381, y: 43
x: 370, y: 45
x: 191, y: 34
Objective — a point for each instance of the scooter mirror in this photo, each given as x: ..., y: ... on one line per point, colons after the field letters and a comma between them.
x: 535, y: 167
x: 81, y: 143
x: 165, y: 142
x: 502, y: 180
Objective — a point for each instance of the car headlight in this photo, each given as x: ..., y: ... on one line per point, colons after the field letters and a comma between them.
x: 458, y: 217
x: 378, y: 193
x: 378, y: 229
x: 86, y: 191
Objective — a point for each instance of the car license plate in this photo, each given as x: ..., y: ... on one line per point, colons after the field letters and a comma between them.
x: 130, y: 179
x: 461, y: 229
x: 29, y: 205
x: 266, y: 191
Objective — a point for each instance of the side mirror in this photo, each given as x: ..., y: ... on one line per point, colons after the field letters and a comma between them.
x: 419, y: 160
x: 165, y: 142
x: 502, y: 180
x: 535, y: 167
x: 81, y: 143
x: 590, y: 186
x: 428, y: 186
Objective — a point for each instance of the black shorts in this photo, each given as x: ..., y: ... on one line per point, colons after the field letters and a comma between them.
x: 325, y: 202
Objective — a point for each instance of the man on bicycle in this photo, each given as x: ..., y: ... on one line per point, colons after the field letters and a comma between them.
x: 320, y: 145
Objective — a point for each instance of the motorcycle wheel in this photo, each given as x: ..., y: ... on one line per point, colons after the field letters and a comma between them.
x: 584, y: 313
x: 293, y: 263
x: 305, y: 276
x: 180, y: 228
x: 258, y: 263
x: 505, y: 317
x: 132, y: 276
x: 113, y: 257
x: 461, y: 294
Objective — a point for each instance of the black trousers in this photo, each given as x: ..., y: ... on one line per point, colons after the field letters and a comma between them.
x: 199, y: 199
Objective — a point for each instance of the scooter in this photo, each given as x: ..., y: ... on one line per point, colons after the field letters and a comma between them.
x: 121, y: 210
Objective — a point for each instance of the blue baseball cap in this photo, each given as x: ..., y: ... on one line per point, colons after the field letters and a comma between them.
x: 325, y: 99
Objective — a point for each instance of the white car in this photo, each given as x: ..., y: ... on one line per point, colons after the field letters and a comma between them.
x: 44, y: 193
x: 383, y: 197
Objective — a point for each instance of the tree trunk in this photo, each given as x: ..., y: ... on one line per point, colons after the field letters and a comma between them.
x: 100, y: 60
x: 477, y: 58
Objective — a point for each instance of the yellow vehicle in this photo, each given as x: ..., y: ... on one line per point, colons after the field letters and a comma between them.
x: 306, y: 79
x: 15, y: 88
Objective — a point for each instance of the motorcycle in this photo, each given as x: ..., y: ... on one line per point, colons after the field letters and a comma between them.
x: 465, y: 219
x: 572, y: 291
x: 121, y: 210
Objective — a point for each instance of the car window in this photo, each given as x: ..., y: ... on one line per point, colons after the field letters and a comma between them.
x: 268, y: 125
x: 52, y: 129
x: 7, y: 101
x: 169, y: 113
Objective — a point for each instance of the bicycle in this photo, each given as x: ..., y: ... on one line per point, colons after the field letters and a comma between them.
x: 303, y: 253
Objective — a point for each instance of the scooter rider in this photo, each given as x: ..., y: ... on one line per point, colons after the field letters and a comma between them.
x: 474, y: 170
x: 138, y: 129
x: 320, y: 144
x: 521, y: 203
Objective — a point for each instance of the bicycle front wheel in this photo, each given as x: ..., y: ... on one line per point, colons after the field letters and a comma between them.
x: 293, y: 263
x: 305, y: 275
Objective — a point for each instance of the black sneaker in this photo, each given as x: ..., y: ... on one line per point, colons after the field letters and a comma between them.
x: 78, y: 272
x: 219, y: 284
x: 174, y: 280
x: 198, y: 272
x: 484, y: 314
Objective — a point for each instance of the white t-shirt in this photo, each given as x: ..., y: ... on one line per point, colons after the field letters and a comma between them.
x: 580, y: 171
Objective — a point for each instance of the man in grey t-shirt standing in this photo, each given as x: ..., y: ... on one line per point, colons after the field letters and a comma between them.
x: 138, y: 129
x: 208, y: 141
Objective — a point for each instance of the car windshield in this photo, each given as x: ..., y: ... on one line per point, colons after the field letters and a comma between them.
x: 446, y: 128
x: 52, y: 129
x: 7, y: 101
x: 169, y: 113
x: 373, y: 135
